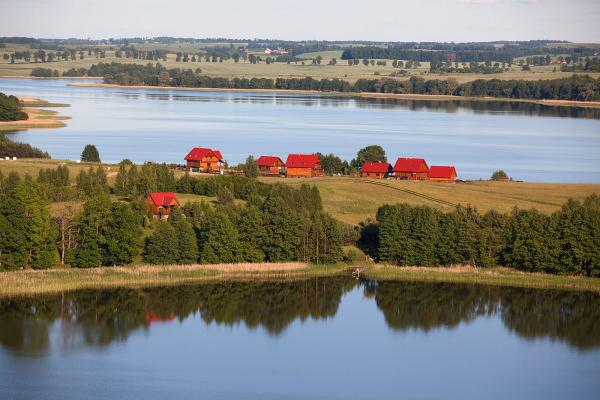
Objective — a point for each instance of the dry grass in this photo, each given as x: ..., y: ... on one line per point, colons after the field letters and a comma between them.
x: 489, y: 276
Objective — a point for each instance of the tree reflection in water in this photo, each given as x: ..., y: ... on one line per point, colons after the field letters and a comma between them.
x: 96, y: 318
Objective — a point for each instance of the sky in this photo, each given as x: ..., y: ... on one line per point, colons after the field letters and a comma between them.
x: 379, y: 20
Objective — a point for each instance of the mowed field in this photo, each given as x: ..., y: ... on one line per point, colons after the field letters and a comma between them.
x: 354, y: 200
x: 244, y: 69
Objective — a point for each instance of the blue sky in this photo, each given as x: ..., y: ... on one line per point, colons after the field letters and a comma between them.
x: 393, y: 20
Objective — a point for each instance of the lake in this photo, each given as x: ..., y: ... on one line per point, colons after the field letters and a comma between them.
x: 325, y: 338
x: 531, y: 142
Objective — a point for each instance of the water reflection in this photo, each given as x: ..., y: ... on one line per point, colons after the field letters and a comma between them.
x: 92, y: 318
x: 447, y: 106
x: 572, y: 317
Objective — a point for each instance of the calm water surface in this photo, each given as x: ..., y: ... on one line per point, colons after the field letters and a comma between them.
x: 331, y: 338
x: 531, y: 142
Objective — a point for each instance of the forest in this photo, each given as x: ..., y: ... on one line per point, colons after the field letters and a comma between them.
x: 576, y: 87
x: 565, y: 242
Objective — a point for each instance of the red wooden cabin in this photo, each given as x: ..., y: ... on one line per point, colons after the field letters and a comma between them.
x: 303, y: 165
x: 201, y: 159
x: 442, y: 173
x: 161, y: 203
x: 270, y: 165
x: 377, y: 170
x: 413, y: 169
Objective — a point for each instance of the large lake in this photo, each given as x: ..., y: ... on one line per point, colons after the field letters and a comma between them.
x: 327, y: 338
x: 530, y: 142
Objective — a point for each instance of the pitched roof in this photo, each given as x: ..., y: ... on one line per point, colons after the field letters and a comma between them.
x: 198, y: 153
x: 164, y: 199
x: 442, y: 172
x: 302, y: 161
x: 413, y: 165
x: 381, y: 167
x: 268, y: 161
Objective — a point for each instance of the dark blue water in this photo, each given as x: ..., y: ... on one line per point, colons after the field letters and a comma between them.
x: 530, y: 142
x: 330, y: 338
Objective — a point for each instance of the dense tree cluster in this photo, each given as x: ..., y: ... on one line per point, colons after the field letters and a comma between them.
x: 11, y: 108
x: 134, y: 181
x: 288, y: 225
x: 565, y: 242
x: 39, y: 72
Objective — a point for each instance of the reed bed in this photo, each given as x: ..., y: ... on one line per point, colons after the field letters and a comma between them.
x: 28, y: 282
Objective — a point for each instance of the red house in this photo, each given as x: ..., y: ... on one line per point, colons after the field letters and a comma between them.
x: 303, y: 165
x: 270, y: 165
x: 377, y: 170
x: 201, y: 159
x: 161, y: 203
x: 413, y: 169
x: 442, y: 173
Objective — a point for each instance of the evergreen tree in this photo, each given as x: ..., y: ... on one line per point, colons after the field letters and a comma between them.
x: 186, y: 238
x: 122, y: 186
x: 252, y: 236
x: 161, y: 246
x: 218, y: 239
x: 90, y: 154
x: 250, y: 167
x: 282, y: 225
x: 27, y: 234
x: 525, y: 244
x: 121, y: 235
x: 90, y: 238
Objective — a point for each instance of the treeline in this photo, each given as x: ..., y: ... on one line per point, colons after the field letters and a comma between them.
x: 8, y: 148
x: 459, y: 54
x: 11, y: 108
x: 565, y: 242
x: 576, y: 87
x: 472, y: 67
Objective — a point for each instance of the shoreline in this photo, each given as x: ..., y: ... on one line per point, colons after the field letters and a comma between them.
x: 37, y: 117
x: 398, y: 96
x: 34, y: 282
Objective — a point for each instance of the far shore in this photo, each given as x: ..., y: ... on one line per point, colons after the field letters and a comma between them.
x: 426, y: 97
x: 32, y: 282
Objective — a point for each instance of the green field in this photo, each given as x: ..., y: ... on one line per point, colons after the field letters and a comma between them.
x: 244, y: 69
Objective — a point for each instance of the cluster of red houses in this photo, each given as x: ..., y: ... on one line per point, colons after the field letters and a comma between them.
x: 201, y: 159
x: 414, y: 169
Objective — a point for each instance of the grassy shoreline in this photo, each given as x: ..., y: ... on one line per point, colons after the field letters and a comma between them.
x: 417, y: 97
x: 498, y: 276
x: 33, y: 282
